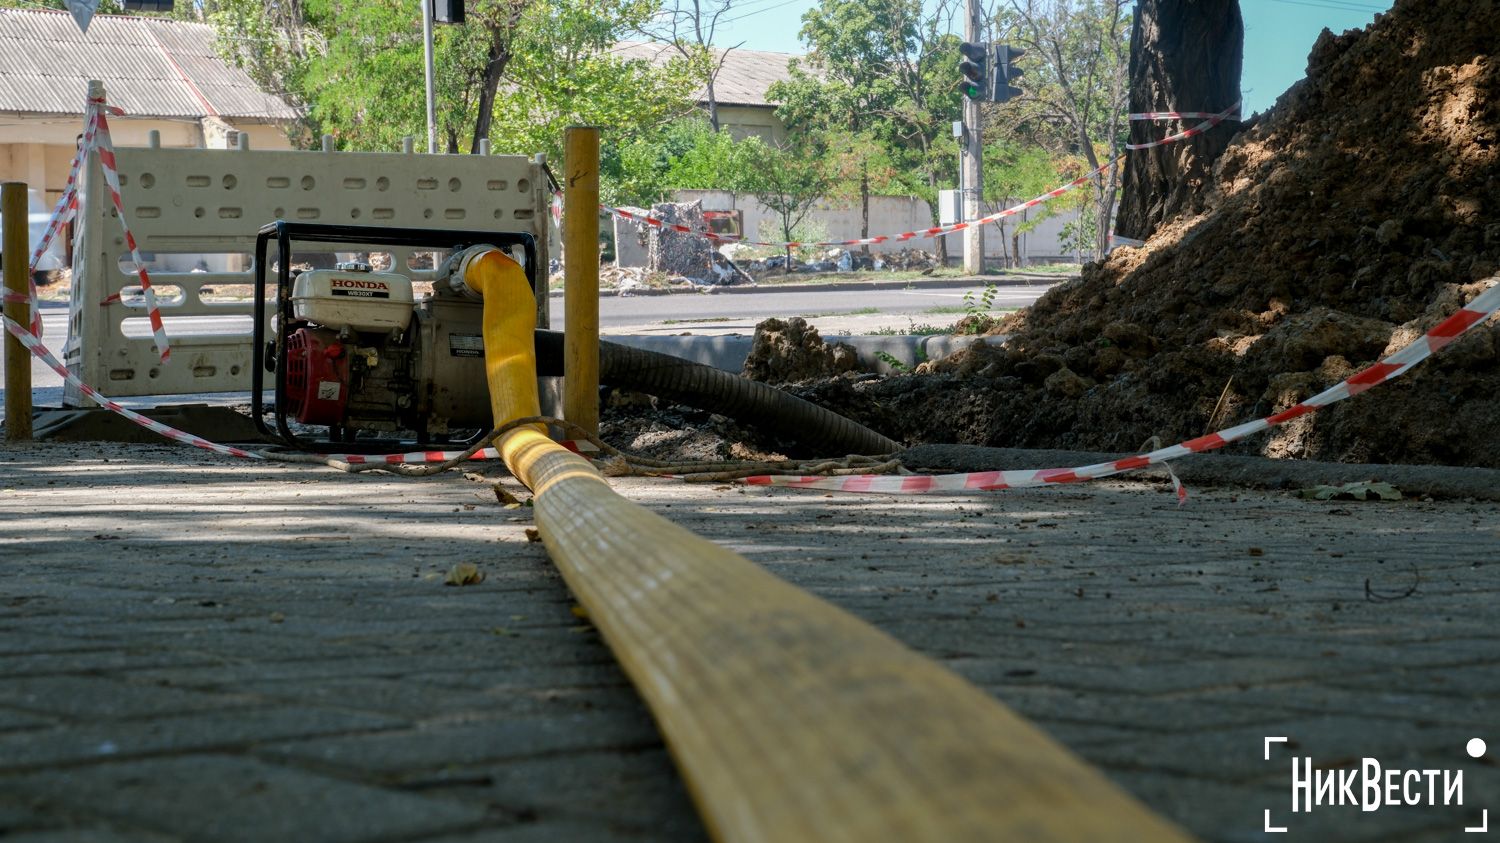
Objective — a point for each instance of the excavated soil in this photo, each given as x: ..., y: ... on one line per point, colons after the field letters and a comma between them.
x: 1353, y: 216
x: 785, y: 351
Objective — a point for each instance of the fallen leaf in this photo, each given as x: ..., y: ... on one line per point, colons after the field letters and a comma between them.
x: 277, y: 617
x: 532, y: 535
x: 505, y: 497
x: 578, y: 611
x: 464, y: 573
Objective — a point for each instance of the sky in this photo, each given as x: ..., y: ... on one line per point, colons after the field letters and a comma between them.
x: 1278, y: 35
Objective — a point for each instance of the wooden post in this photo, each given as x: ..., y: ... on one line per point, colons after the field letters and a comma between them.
x: 17, y: 256
x: 581, y: 277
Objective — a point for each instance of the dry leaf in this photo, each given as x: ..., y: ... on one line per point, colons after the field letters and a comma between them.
x: 578, y: 611
x: 464, y: 573
x: 277, y: 617
x: 532, y: 535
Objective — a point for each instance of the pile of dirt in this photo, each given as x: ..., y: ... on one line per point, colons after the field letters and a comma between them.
x: 1352, y: 217
x: 791, y: 350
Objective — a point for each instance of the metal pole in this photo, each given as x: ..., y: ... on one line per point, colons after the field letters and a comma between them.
x: 581, y: 276
x: 13, y: 246
x: 427, y: 55
x: 972, y: 171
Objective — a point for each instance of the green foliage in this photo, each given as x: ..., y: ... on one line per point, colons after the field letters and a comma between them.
x: 874, y: 97
x: 789, y: 183
x: 687, y: 154
x: 980, y: 305
x: 1016, y: 171
x: 1075, y: 89
x: 516, y: 72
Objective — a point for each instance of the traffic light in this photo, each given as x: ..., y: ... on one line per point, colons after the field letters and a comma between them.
x: 974, y: 68
x: 1005, y: 71
x: 447, y: 11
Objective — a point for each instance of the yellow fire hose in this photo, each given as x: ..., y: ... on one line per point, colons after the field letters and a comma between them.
x: 790, y: 719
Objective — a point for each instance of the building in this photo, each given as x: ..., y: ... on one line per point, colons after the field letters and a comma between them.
x: 166, y: 75
x: 740, y: 88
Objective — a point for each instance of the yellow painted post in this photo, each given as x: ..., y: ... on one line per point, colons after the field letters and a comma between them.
x: 581, y: 277
x: 790, y: 720
x: 17, y: 257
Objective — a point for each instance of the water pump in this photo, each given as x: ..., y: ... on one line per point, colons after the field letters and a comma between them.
x: 360, y: 353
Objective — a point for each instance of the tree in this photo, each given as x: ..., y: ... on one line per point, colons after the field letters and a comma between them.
x: 688, y: 26
x: 1185, y: 55
x: 871, y: 91
x: 274, y: 42
x: 789, y: 183
x: 686, y: 154
x: 1076, y: 83
x: 515, y: 73
x: 1018, y: 171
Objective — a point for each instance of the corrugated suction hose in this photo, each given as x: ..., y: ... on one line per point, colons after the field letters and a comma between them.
x: 715, y: 390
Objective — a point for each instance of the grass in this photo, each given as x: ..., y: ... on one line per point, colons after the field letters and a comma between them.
x: 1051, y: 269
x: 863, y: 311
x: 697, y: 321
x: 912, y: 329
x: 961, y: 309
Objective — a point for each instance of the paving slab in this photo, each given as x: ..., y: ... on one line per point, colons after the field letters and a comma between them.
x: 198, y: 648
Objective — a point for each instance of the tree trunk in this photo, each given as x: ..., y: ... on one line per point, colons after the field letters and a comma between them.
x: 864, y: 199
x: 493, y: 70
x: 1185, y: 55
x: 713, y: 103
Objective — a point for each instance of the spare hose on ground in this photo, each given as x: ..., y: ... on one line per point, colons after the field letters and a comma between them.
x: 718, y: 391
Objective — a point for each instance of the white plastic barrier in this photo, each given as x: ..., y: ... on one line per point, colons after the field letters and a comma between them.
x: 212, y: 202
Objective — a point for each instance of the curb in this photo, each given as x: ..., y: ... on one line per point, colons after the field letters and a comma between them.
x: 1012, y: 280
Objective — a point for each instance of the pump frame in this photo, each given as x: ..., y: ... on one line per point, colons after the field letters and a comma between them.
x: 285, y: 233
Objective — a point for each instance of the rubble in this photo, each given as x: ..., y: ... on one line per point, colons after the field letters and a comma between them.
x: 1352, y: 217
x: 675, y: 253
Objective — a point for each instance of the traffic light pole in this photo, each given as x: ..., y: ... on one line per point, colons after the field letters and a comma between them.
x: 427, y: 64
x: 971, y: 170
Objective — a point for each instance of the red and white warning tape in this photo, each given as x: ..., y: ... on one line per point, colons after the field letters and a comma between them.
x: 1212, y: 121
x: 96, y: 139
x: 1391, y: 367
x: 34, y: 344
x: 106, y: 150
x: 936, y: 231
x: 1175, y: 115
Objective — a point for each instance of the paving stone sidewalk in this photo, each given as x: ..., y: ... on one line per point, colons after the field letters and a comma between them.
x: 194, y: 648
